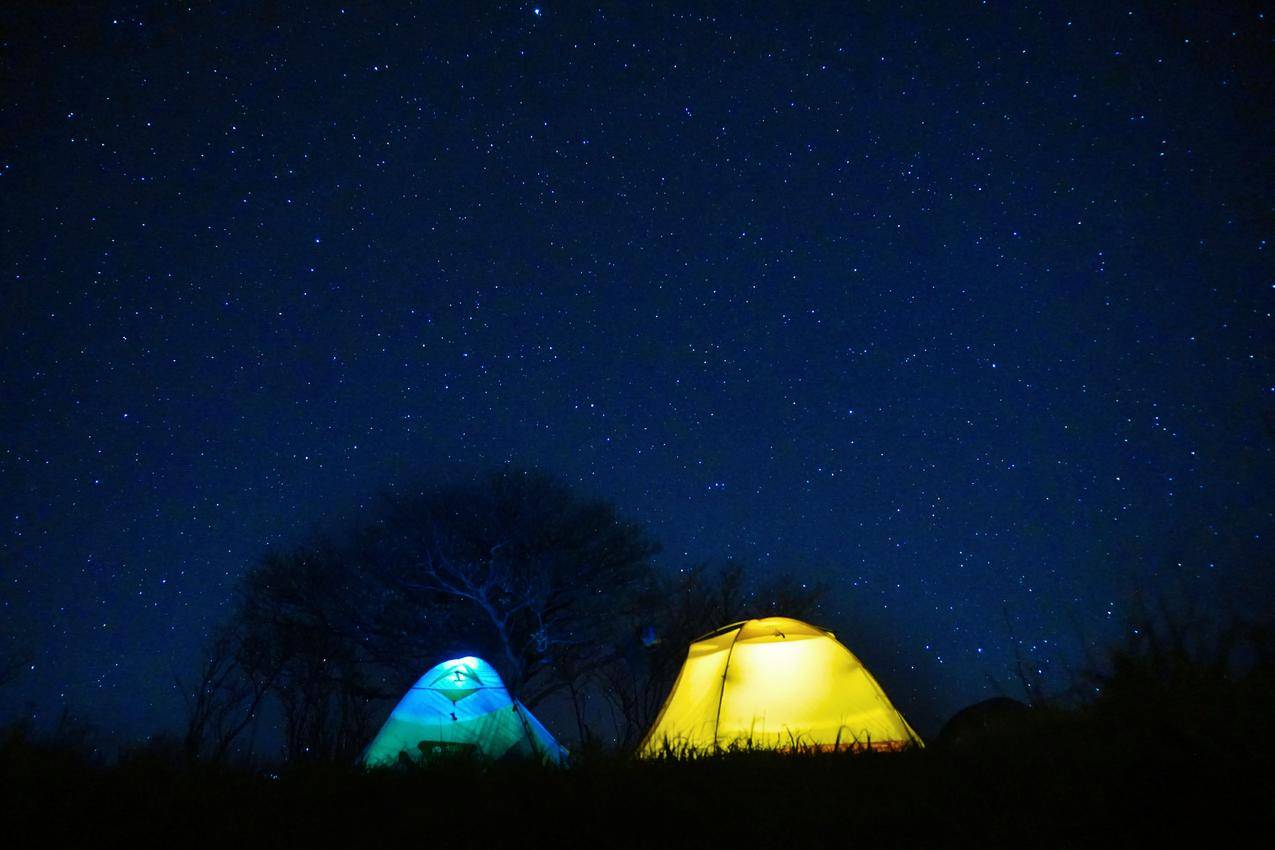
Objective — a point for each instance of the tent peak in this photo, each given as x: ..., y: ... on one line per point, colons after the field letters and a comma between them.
x: 758, y: 625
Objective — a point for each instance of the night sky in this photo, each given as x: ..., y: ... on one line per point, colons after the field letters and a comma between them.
x: 962, y: 309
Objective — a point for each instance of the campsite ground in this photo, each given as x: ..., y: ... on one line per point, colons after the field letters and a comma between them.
x: 1169, y: 746
x: 1053, y: 780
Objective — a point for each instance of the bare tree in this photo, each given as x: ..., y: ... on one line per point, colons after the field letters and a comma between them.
x: 538, y: 570
x: 514, y: 566
x: 225, y: 699
x: 304, y: 612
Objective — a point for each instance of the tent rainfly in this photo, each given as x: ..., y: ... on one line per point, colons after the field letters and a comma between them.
x: 774, y: 683
x: 461, y: 705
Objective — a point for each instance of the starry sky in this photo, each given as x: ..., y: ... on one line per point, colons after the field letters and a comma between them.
x: 963, y: 309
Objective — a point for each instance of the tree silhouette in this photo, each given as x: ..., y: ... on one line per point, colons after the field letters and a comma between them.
x: 538, y: 572
x: 514, y: 566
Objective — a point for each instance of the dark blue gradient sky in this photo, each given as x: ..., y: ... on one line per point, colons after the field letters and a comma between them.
x: 961, y: 308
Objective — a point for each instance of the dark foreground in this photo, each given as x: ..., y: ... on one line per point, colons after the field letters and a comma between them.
x: 1170, y: 748
x: 1079, y: 779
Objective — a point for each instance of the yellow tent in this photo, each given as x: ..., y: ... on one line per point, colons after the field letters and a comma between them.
x: 775, y: 683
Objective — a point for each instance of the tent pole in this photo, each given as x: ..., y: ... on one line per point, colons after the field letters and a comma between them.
x: 717, y: 721
x: 526, y: 727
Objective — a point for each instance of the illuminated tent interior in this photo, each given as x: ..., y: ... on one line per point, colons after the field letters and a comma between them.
x: 774, y: 683
x: 461, y: 705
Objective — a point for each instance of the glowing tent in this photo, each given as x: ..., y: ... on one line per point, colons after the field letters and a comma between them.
x: 775, y: 683
x: 461, y: 705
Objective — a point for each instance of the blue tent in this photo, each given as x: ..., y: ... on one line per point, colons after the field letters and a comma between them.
x: 461, y: 705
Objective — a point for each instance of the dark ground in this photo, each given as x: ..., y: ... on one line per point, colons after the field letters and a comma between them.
x: 1194, y: 765
x: 1162, y: 744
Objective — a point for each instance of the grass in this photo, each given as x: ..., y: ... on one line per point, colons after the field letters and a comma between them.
x: 1059, y: 782
x: 1169, y: 746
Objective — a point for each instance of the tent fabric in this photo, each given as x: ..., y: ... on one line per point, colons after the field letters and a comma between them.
x: 458, y: 705
x: 774, y: 683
